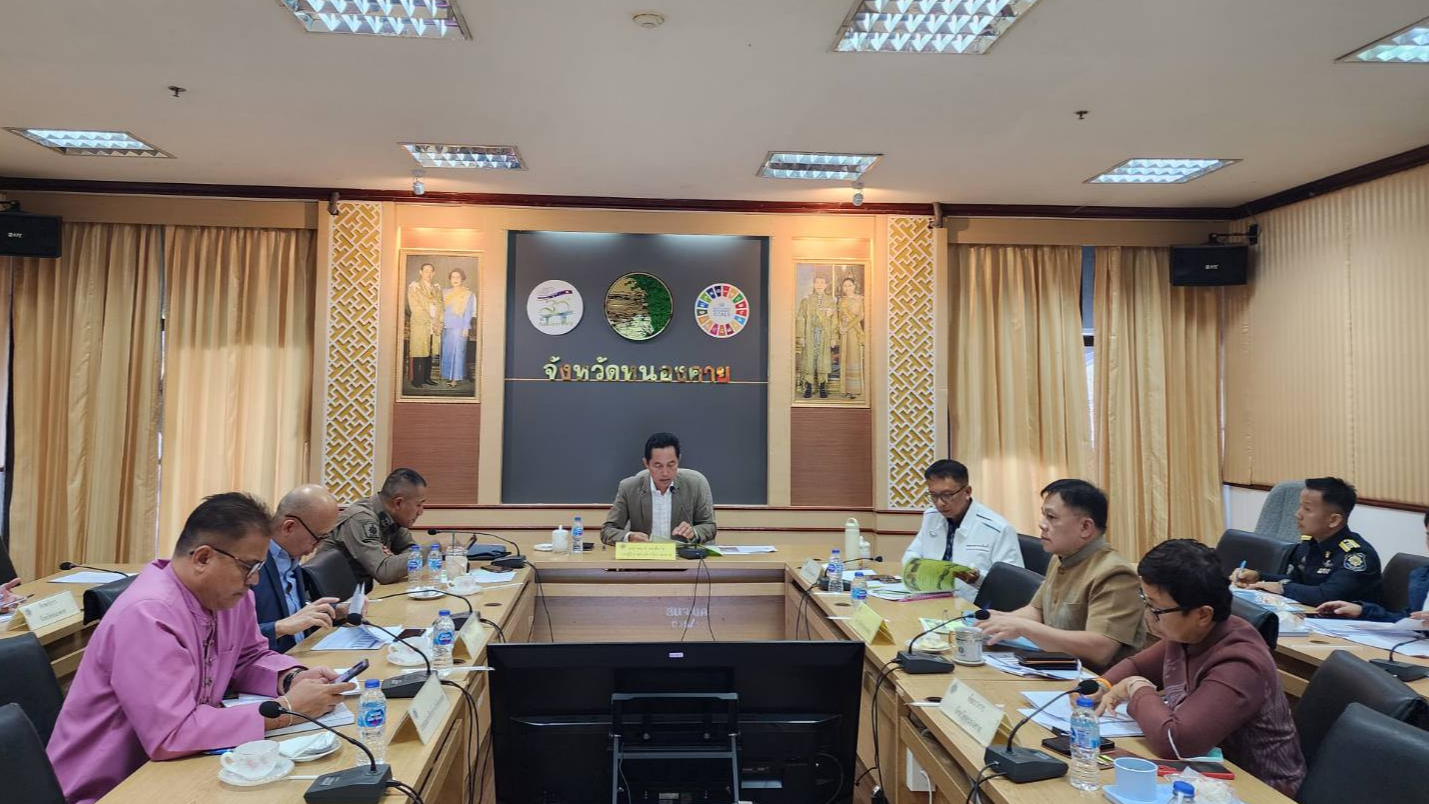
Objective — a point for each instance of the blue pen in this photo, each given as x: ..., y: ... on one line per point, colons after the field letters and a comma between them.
x: 1240, y: 569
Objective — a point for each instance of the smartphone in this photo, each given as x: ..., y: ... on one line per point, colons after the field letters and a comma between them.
x: 410, y: 633
x: 352, y: 672
x: 1062, y: 744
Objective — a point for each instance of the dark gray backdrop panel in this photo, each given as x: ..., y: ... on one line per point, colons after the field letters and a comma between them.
x: 573, y: 442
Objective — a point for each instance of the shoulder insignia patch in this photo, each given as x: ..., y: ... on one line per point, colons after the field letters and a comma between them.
x: 1355, y: 562
x: 1304, y: 537
x: 1349, y: 544
x: 372, y: 530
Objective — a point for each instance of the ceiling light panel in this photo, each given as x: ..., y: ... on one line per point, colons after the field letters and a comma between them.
x: 1160, y: 171
x: 86, y: 142
x: 490, y: 157
x: 959, y: 27
x: 817, y: 166
x: 413, y: 19
x: 1407, y: 46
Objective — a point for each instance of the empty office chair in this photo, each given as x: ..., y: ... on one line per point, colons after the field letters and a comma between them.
x: 1007, y: 587
x: 98, y: 599
x: 1259, y: 552
x: 1396, y: 581
x: 30, y: 681
x: 1343, y: 679
x: 29, y: 779
x: 1277, y: 513
x: 1396, y: 753
x: 1033, y: 556
x: 1260, y: 618
x: 329, y: 575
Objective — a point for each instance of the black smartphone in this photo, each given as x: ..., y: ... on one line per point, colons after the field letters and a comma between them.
x: 352, y: 672
x: 410, y: 633
x: 1062, y: 744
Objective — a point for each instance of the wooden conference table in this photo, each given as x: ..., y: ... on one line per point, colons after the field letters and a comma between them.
x: 64, y: 641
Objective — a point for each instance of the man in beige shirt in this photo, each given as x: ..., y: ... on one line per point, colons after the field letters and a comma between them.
x: 1090, y: 604
x: 372, y: 533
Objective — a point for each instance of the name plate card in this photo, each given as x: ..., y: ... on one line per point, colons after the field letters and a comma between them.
x: 471, y: 638
x: 428, y: 710
x: 45, y: 612
x: 645, y: 551
x: 869, y: 625
x: 811, y: 571
x: 973, y: 713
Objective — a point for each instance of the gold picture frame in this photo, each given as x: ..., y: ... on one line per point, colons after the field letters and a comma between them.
x: 831, y: 344
x: 439, y: 362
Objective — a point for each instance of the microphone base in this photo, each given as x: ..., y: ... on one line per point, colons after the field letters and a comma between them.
x: 406, y: 685
x: 919, y: 664
x: 352, y: 786
x: 1402, y: 670
x: 1023, y: 765
x: 510, y: 562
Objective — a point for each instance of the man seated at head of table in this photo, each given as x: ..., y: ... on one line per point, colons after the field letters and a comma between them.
x: 1090, y: 604
x: 1418, y: 599
x: 662, y: 502
x: 1331, y: 562
x: 1211, y: 680
x: 285, y: 614
x: 179, y: 639
x: 372, y: 533
x: 960, y: 530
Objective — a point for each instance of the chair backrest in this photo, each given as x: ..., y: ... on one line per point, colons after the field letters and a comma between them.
x: 1277, y: 513
x: 1342, y: 679
x: 329, y: 575
x: 98, y: 599
x: 1007, y: 587
x: 1260, y: 618
x: 23, y: 764
x: 1398, y: 754
x: 30, y: 682
x: 1396, y: 580
x: 1259, y: 552
x: 1033, y: 556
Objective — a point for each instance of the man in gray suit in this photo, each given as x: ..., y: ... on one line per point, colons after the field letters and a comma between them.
x: 662, y: 503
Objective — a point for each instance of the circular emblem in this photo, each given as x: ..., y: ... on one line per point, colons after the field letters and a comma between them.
x: 554, y: 307
x: 721, y: 310
x: 638, y: 306
x: 1355, y: 561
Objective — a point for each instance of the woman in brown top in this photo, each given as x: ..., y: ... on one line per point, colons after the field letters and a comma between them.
x: 1211, y: 681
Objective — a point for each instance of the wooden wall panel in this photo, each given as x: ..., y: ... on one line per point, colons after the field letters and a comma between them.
x: 831, y: 453
x: 440, y: 442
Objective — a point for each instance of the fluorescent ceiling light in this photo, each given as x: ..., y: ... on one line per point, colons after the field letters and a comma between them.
x: 1160, y: 171
x: 491, y: 157
x: 90, y: 143
x: 964, y: 27
x: 816, y: 166
x: 415, y: 19
x: 1406, y: 46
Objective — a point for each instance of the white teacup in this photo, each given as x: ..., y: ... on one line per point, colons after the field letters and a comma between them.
x: 464, y: 585
x: 399, y: 653
x: 255, y: 760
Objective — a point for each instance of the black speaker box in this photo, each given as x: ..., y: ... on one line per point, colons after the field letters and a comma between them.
x: 1213, y: 264
x: 23, y: 235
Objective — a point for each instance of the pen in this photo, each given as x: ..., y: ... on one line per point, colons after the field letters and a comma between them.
x: 1240, y: 569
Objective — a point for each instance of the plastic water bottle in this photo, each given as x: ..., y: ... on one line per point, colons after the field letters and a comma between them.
x: 372, y: 721
x: 434, y: 566
x: 1086, y: 744
x: 836, y: 572
x: 443, y: 635
x: 577, y: 534
x: 414, y: 568
x: 858, y: 590
x: 1182, y: 793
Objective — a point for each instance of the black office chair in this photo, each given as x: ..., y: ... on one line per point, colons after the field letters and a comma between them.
x: 23, y: 764
x: 30, y: 682
x: 98, y: 599
x: 1398, y: 753
x: 1007, y: 587
x: 1260, y: 553
x: 1033, y: 556
x: 329, y: 575
x: 1343, y: 679
x: 1396, y: 580
x: 1260, y: 618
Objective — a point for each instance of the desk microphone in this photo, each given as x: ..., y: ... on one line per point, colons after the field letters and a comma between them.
x: 1023, y: 765
x: 69, y: 565
x: 352, y: 786
x: 918, y: 663
x: 1404, y: 671
x: 457, y: 621
x: 406, y: 685
x: 513, y: 561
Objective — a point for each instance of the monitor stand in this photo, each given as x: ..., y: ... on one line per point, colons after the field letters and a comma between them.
x: 666, y: 750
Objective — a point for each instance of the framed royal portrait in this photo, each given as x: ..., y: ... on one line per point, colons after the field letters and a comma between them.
x: 440, y: 358
x: 831, y: 334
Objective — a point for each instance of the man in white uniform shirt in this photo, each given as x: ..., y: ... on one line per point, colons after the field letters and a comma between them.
x: 980, y: 537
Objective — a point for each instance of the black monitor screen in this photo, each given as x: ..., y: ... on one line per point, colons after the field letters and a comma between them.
x: 794, y: 707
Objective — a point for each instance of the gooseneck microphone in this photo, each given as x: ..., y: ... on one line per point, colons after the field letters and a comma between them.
x: 1022, y: 765
x: 69, y: 565
x: 917, y: 663
x: 513, y: 561
x: 458, y: 620
x: 406, y: 685
x: 360, y: 785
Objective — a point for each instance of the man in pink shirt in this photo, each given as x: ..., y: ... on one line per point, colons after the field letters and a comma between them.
x: 179, y: 638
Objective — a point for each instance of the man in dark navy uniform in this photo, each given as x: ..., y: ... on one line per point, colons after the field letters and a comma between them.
x: 1331, y: 562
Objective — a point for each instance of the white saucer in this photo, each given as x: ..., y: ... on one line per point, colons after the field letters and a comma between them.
x: 425, y: 594
x: 543, y: 547
x: 282, y: 769
x: 415, y: 663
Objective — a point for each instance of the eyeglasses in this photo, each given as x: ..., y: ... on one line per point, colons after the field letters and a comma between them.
x: 945, y: 496
x: 250, y: 568
x: 1155, y: 612
x: 310, y: 531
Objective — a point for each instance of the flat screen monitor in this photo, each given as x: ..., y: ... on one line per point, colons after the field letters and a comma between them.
x: 795, y: 705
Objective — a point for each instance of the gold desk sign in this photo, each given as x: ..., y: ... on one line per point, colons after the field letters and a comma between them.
x: 45, y: 612
x: 645, y: 551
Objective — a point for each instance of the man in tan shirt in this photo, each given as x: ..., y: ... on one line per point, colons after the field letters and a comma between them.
x: 1090, y: 604
x: 372, y: 533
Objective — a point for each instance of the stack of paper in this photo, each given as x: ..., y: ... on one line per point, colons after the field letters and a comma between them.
x: 1009, y: 664
x: 339, y: 716
x: 1059, y: 714
x: 90, y: 576
x: 1378, y: 635
x: 360, y: 638
x: 740, y: 549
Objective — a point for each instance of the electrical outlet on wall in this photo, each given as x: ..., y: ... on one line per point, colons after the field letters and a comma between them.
x: 916, y: 778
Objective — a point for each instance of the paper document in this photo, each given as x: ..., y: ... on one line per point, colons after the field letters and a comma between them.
x: 487, y: 576
x: 1267, y: 599
x: 360, y: 638
x: 1380, y: 637
x: 1059, y: 714
x: 339, y: 716
x: 1009, y: 664
x: 740, y: 549
x: 92, y: 577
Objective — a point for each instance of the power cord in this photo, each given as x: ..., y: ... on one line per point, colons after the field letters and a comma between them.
x: 500, y: 632
x: 981, y: 780
x: 472, y: 732
x: 694, y: 596
x: 709, y: 596
x: 839, y: 788
x: 883, y: 674
x: 541, y: 593
x: 406, y: 788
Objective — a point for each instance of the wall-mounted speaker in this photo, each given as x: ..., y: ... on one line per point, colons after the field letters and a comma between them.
x: 1209, y: 265
x: 23, y: 235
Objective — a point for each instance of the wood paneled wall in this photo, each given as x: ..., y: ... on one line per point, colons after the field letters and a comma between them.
x: 439, y: 441
x: 832, y: 456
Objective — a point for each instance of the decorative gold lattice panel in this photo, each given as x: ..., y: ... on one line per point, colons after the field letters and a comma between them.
x: 350, y: 407
x: 911, y: 387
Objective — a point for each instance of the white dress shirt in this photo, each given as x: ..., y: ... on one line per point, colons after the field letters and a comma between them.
x: 983, y: 539
x: 660, y: 505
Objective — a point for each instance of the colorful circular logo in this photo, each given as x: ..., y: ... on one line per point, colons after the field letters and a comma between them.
x: 554, y: 307
x: 721, y: 310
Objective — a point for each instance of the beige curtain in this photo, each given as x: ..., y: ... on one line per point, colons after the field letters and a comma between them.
x: 86, y: 387
x: 238, y: 366
x: 1019, y: 416
x: 1157, y: 401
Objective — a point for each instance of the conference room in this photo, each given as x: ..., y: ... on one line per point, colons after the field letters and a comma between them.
x: 838, y: 401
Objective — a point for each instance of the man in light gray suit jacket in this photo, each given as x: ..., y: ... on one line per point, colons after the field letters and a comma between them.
x: 662, y: 503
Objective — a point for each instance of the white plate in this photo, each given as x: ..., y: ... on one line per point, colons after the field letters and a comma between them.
x: 417, y: 662
x: 425, y: 594
x: 282, y: 769
x: 543, y: 547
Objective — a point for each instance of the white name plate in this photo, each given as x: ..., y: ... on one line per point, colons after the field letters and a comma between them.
x: 428, y: 710
x: 471, y: 637
x: 973, y: 713
x: 45, y: 612
x: 811, y: 571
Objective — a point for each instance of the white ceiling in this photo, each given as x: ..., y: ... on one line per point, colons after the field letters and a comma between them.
x: 601, y: 107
